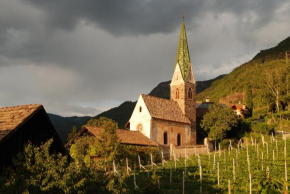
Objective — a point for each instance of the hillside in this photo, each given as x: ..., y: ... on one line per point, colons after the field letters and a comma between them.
x: 64, y: 125
x: 230, y: 88
x: 121, y: 114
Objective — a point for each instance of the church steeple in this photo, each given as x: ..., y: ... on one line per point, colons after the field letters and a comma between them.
x: 183, y: 57
x: 182, y: 86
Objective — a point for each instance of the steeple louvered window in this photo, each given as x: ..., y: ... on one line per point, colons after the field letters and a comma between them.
x: 177, y: 94
x: 190, y: 93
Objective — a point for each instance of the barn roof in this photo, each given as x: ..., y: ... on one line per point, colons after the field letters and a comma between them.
x: 125, y: 136
x: 164, y: 109
x: 13, y: 117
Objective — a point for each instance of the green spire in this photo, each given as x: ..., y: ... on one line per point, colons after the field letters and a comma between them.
x: 182, y: 56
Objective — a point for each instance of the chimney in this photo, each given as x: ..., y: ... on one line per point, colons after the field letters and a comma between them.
x: 207, y: 99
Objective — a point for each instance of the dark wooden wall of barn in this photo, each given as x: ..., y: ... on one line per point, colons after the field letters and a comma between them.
x: 38, y: 129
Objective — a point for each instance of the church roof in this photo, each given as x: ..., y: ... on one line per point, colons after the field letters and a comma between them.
x: 125, y: 136
x: 182, y: 56
x: 164, y: 109
x: 13, y: 117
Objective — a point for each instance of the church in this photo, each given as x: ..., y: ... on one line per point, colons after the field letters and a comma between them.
x: 170, y: 121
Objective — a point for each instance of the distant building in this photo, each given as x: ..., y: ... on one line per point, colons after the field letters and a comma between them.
x: 20, y: 125
x: 170, y: 121
x: 241, y: 110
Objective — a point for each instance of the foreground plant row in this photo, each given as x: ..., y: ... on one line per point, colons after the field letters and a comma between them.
x: 255, y: 166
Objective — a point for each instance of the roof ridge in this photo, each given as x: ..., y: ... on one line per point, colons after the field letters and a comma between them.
x: 158, y: 97
x: 24, y: 105
x: 165, y: 109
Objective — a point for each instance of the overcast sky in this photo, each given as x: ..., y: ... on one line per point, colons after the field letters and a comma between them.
x: 81, y: 57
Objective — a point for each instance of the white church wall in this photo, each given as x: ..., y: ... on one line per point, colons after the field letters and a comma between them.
x: 141, y: 118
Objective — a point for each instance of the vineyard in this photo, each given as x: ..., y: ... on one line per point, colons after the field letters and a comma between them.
x: 257, y: 164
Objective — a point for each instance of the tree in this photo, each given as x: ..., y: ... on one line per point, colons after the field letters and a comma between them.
x: 82, y: 149
x: 107, y: 144
x: 72, y: 133
x: 275, y: 82
x: 248, y: 98
x: 37, y: 170
x: 218, y: 120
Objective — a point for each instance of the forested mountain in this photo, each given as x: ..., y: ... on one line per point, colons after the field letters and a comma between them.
x: 266, y: 76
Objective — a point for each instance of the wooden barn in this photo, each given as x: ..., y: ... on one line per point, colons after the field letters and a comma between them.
x: 22, y: 124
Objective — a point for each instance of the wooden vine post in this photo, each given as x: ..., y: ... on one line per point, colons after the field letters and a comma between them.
x: 135, y: 184
x: 170, y: 174
x: 128, y: 168
x: 229, y: 186
x: 262, y: 161
x: 214, y: 162
x: 219, y: 150
x: 218, y: 173
x: 286, y: 176
x: 234, y: 171
x: 200, y: 173
x: 183, y: 183
x: 250, y: 180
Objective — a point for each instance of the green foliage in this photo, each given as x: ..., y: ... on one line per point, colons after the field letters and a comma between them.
x: 269, y: 186
x: 218, y: 120
x: 72, y: 133
x: 131, y: 152
x: 39, y: 171
x: 82, y: 149
x: 107, y: 144
x: 248, y: 98
x: 262, y: 127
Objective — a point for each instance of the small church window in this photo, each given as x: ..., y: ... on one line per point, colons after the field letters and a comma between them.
x: 139, y: 127
x: 165, y: 138
x: 190, y: 93
x: 140, y: 109
x: 178, y: 140
x: 177, y: 94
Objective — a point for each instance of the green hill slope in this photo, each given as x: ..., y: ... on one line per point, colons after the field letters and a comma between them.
x: 230, y: 88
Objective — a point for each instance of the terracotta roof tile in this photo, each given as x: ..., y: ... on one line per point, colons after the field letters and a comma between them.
x: 12, y: 117
x: 164, y: 109
x: 126, y: 136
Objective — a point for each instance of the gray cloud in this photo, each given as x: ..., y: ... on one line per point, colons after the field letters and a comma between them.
x: 79, y: 57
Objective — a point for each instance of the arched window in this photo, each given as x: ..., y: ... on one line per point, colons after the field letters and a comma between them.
x: 190, y: 93
x: 177, y: 94
x: 139, y: 127
x: 178, y: 140
x: 165, y: 138
x: 140, y: 109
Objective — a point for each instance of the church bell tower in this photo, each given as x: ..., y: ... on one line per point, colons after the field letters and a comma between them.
x: 183, y: 86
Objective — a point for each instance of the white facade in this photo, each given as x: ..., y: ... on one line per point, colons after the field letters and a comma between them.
x: 141, y: 119
x: 177, y: 77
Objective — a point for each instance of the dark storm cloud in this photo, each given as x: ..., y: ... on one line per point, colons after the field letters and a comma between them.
x: 85, y: 56
x: 126, y: 17
x: 143, y: 17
